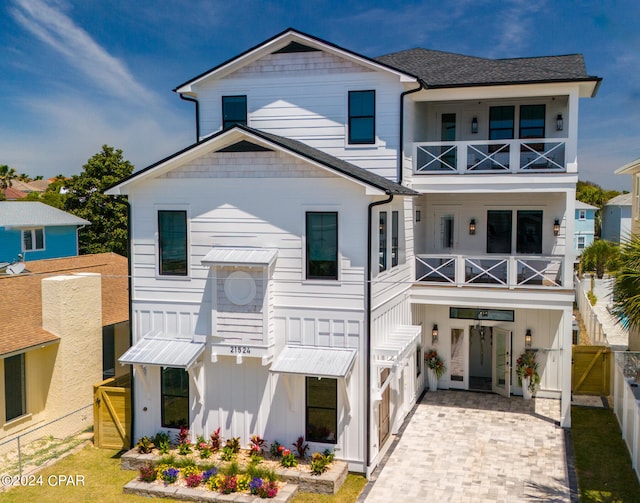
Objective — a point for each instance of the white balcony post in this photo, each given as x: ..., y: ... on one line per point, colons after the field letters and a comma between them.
x: 462, y: 157
x: 512, y: 272
x: 514, y: 156
x: 460, y: 267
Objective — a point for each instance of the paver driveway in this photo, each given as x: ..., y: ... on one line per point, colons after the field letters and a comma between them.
x: 475, y: 447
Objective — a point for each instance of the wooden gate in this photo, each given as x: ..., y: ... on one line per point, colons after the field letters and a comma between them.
x: 112, y: 413
x: 591, y: 370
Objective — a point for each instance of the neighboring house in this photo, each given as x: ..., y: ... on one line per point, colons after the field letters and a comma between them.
x: 338, y: 216
x: 616, y: 218
x: 37, y: 231
x: 63, y: 324
x: 584, y: 232
x: 20, y: 189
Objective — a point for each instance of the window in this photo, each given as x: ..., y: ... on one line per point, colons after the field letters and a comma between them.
x: 499, y: 231
x: 582, y: 214
x: 15, y: 393
x: 446, y: 231
x: 532, y: 121
x: 32, y: 239
x: 172, y: 240
x: 174, y: 397
x: 383, y: 241
x: 108, y: 352
x: 322, y: 410
x: 394, y: 238
x: 362, y: 117
x: 501, y: 123
x: 581, y: 242
x: 322, y: 245
x: 529, y: 232
x: 234, y: 111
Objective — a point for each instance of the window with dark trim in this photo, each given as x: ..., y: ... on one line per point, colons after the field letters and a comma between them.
x: 32, y: 239
x: 532, y: 121
x: 382, y: 253
x: 234, y: 111
x: 322, y: 244
x: 501, y: 123
x: 108, y: 352
x: 499, y: 231
x: 529, y: 231
x: 172, y: 242
x: 174, y: 383
x: 321, y: 410
x: 15, y: 391
x: 362, y: 117
x: 394, y: 238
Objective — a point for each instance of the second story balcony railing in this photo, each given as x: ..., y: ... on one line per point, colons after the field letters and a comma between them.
x: 490, y: 156
x: 491, y: 270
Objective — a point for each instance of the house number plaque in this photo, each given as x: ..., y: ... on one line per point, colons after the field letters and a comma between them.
x: 240, y: 350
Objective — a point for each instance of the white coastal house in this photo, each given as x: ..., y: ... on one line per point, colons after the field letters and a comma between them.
x: 338, y: 216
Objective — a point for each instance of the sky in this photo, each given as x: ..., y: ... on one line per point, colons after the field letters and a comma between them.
x: 75, y: 75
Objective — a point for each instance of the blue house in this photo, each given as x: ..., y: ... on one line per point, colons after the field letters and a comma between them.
x: 585, y: 226
x: 616, y: 218
x: 37, y: 231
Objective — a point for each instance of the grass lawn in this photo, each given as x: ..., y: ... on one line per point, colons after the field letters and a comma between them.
x: 103, y: 482
x: 602, y: 460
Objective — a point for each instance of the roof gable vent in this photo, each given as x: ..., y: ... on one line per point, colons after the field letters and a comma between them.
x: 295, y: 47
x: 244, y: 146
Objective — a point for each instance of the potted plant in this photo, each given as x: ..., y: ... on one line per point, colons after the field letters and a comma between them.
x: 435, y: 368
x: 527, y: 370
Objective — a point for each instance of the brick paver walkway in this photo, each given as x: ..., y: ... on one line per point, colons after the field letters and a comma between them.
x: 475, y: 447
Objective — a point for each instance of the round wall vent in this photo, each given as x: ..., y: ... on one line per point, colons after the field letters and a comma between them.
x: 240, y: 288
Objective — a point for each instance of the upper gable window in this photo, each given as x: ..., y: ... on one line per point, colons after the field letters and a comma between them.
x: 582, y: 214
x: 362, y: 117
x: 172, y: 241
x: 234, y: 111
x: 32, y: 239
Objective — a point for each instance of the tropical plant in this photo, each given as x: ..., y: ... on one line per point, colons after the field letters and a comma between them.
x: 145, y: 445
x: 435, y: 363
x: 626, y: 286
x: 320, y: 462
x: 527, y: 367
x: 301, y: 447
x: 148, y: 473
x: 216, y: 440
x: 600, y: 256
x: 275, y: 449
x: 234, y: 444
x: 288, y: 459
x: 7, y: 174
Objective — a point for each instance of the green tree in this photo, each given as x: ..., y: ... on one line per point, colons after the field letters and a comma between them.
x: 108, y: 215
x: 626, y: 287
x: 55, y: 195
x: 6, y: 175
x: 600, y: 256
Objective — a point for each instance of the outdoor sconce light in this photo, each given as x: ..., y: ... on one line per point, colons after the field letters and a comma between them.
x: 559, y: 122
x: 527, y: 338
x: 474, y: 125
x: 556, y: 227
x: 434, y: 334
x: 472, y: 226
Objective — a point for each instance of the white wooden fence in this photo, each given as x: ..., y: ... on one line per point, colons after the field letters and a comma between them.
x: 626, y: 395
x: 588, y: 315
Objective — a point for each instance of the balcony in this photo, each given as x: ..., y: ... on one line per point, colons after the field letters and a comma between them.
x: 491, y: 271
x: 490, y: 157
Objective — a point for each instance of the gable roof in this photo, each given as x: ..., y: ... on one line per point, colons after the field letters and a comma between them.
x: 32, y: 213
x: 21, y: 297
x: 295, y: 147
x: 438, y: 69
x: 621, y: 200
x: 629, y: 169
x: 584, y: 206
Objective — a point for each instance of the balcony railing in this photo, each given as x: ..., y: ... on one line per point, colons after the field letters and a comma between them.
x: 490, y: 156
x: 490, y: 270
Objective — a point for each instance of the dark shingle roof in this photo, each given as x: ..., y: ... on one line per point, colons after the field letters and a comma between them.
x: 445, y: 69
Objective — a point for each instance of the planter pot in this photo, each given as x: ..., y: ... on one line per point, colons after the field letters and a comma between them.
x: 526, y: 392
x: 432, y: 380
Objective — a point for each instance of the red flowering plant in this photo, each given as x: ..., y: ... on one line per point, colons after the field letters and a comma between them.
x: 527, y: 366
x: 434, y: 362
x: 256, y: 446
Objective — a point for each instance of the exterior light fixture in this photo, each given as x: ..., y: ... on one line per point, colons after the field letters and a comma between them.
x: 559, y: 123
x: 472, y: 226
x: 527, y: 338
x: 474, y: 125
x: 556, y: 227
x: 434, y: 334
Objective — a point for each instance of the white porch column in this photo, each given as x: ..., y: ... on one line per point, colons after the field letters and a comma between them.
x: 567, y: 340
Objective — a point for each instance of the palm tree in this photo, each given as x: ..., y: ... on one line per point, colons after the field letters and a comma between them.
x: 6, y: 175
x: 600, y: 256
x: 626, y: 288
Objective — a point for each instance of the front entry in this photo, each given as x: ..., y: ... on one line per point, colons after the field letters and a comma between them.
x: 501, y: 376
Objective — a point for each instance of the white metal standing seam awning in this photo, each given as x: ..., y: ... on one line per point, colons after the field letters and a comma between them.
x: 397, y: 344
x: 315, y: 361
x: 163, y: 352
x: 223, y: 256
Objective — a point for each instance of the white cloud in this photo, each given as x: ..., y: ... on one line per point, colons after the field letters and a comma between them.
x: 518, y: 16
x: 49, y: 24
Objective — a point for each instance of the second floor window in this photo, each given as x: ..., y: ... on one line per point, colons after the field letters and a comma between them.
x: 172, y: 243
x: 32, y: 239
x: 234, y: 111
x: 394, y: 238
x: 529, y: 232
x: 322, y: 245
x: 582, y: 214
x: 532, y: 121
x: 501, y: 123
x: 362, y: 117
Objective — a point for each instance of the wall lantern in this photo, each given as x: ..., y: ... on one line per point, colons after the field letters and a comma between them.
x: 472, y: 226
x: 556, y: 227
x: 474, y: 125
x: 527, y: 338
x: 434, y: 334
x: 559, y: 123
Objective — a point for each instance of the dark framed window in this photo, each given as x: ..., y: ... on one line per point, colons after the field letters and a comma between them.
x: 15, y: 391
x: 532, y: 121
x: 499, y: 231
x: 362, y: 117
x: 322, y: 244
x: 33, y: 239
x: 234, y: 111
x: 172, y: 241
x: 382, y: 253
x: 501, y: 123
x: 174, y: 383
x: 529, y: 231
x: 108, y: 352
x: 394, y: 238
x: 322, y: 410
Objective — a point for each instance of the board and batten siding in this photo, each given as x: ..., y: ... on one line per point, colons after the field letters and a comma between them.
x: 304, y: 96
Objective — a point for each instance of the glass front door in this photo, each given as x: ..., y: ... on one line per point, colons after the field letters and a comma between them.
x: 458, y: 363
x: 501, y: 361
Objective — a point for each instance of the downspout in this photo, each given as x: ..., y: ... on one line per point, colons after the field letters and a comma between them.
x: 193, y: 100
x: 368, y: 328
x: 130, y: 283
x: 401, y: 135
